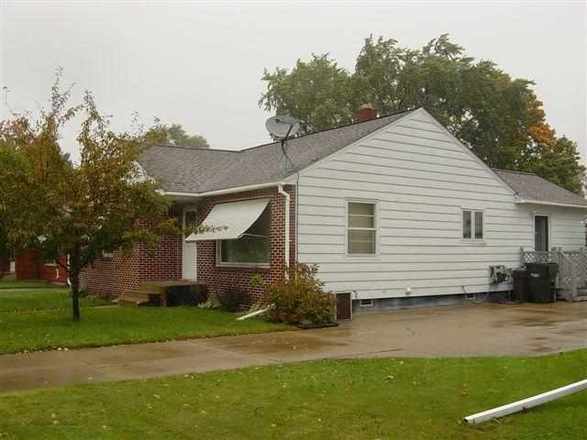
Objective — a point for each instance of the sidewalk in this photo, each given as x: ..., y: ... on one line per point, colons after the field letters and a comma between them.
x: 456, y: 331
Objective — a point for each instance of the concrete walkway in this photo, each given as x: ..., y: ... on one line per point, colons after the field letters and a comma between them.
x: 473, y: 330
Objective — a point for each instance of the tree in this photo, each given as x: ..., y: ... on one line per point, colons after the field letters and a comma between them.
x: 316, y: 90
x: 101, y: 204
x: 559, y: 163
x: 498, y: 117
x: 175, y: 134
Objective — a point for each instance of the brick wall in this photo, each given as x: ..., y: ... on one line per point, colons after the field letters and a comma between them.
x: 27, y: 265
x: 125, y: 272
x: 54, y: 273
x: 219, y: 278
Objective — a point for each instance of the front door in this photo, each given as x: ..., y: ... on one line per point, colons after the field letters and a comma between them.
x: 189, y: 249
x: 541, y: 233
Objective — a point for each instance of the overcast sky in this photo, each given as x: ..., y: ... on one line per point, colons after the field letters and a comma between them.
x: 200, y: 63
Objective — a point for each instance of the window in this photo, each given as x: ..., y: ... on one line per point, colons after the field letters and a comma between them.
x: 472, y: 225
x: 366, y: 303
x: 362, y: 232
x: 253, y: 248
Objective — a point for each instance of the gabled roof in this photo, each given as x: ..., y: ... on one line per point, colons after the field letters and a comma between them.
x: 531, y: 188
x: 198, y: 170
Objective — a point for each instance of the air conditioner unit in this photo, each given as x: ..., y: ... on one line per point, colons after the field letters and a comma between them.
x: 499, y: 274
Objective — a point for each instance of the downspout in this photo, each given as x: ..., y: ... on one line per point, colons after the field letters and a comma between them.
x: 287, y: 198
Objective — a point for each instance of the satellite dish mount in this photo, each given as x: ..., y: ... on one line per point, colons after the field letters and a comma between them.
x: 282, y: 128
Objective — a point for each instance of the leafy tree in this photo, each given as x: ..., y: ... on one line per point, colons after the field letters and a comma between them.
x: 175, y: 134
x: 559, y: 163
x: 100, y: 204
x: 498, y: 117
x: 317, y: 90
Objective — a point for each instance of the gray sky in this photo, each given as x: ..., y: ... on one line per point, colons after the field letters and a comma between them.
x: 199, y: 63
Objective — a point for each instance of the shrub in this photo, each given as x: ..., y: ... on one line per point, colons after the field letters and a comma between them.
x: 300, y: 297
x: 232, y: 298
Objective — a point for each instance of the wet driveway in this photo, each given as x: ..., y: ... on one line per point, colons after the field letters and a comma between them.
x: 473, y: 330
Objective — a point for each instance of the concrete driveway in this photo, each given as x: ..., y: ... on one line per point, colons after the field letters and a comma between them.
x: 472, y: 330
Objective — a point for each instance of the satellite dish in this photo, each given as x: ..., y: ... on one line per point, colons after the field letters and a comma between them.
x: 282, y: 127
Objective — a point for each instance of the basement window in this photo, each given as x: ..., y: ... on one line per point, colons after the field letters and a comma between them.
x: 366, y: 303
x: 253, y: 248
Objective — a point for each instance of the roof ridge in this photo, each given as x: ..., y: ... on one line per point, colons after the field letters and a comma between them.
x: 187, y: 147
x: 332, y: 128
x: 516, y: 172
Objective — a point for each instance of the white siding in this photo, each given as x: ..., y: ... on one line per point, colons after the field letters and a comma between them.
x: 421, y: 179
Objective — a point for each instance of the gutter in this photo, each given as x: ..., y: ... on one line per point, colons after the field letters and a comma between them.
x: 538, y: 202
x: 287, y: 198
x: 220, y: 192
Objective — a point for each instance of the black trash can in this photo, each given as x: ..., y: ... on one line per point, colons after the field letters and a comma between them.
x: 540, y: 283
x: 520, y: 291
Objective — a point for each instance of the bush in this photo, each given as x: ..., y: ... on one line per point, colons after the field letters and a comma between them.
x: 232, y: 298
x: 300, y: 297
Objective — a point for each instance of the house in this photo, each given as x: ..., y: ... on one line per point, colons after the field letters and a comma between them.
x: 30, y: 265
x: 394, y: 210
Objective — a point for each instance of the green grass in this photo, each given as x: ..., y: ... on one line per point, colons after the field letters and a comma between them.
x: 359, y: 399
x: 38, y: 319
x: 27, y: 300
x: 32, y: 284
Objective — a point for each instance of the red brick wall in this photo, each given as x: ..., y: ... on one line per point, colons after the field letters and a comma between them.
x: 54, y: 273
x: 27, y: 265
x: 125, y: 272
x: 219, y: 278
x: 162, y: 263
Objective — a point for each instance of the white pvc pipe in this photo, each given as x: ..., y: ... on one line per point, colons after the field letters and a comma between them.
x: 530, y: 402
x: 253, y: 314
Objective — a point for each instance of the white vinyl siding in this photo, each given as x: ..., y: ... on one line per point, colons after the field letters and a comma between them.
x: 422, y: 179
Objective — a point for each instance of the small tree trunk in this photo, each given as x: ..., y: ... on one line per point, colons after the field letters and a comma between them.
x: 74, y: 272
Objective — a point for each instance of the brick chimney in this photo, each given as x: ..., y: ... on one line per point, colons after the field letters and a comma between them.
x: 366, y: 112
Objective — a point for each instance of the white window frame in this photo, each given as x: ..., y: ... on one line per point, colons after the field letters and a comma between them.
x: 375, y: 204
x: 220, y: 263
x: 484, y: 219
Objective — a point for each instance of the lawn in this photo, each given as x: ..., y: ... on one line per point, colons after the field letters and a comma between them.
x: 356, y: 399
x: 13, y: 284
x: 23, y: 300
x: 36, y: 319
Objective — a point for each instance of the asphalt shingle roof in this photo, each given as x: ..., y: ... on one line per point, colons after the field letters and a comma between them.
x: 197, y: 170
x: 532, y: 187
